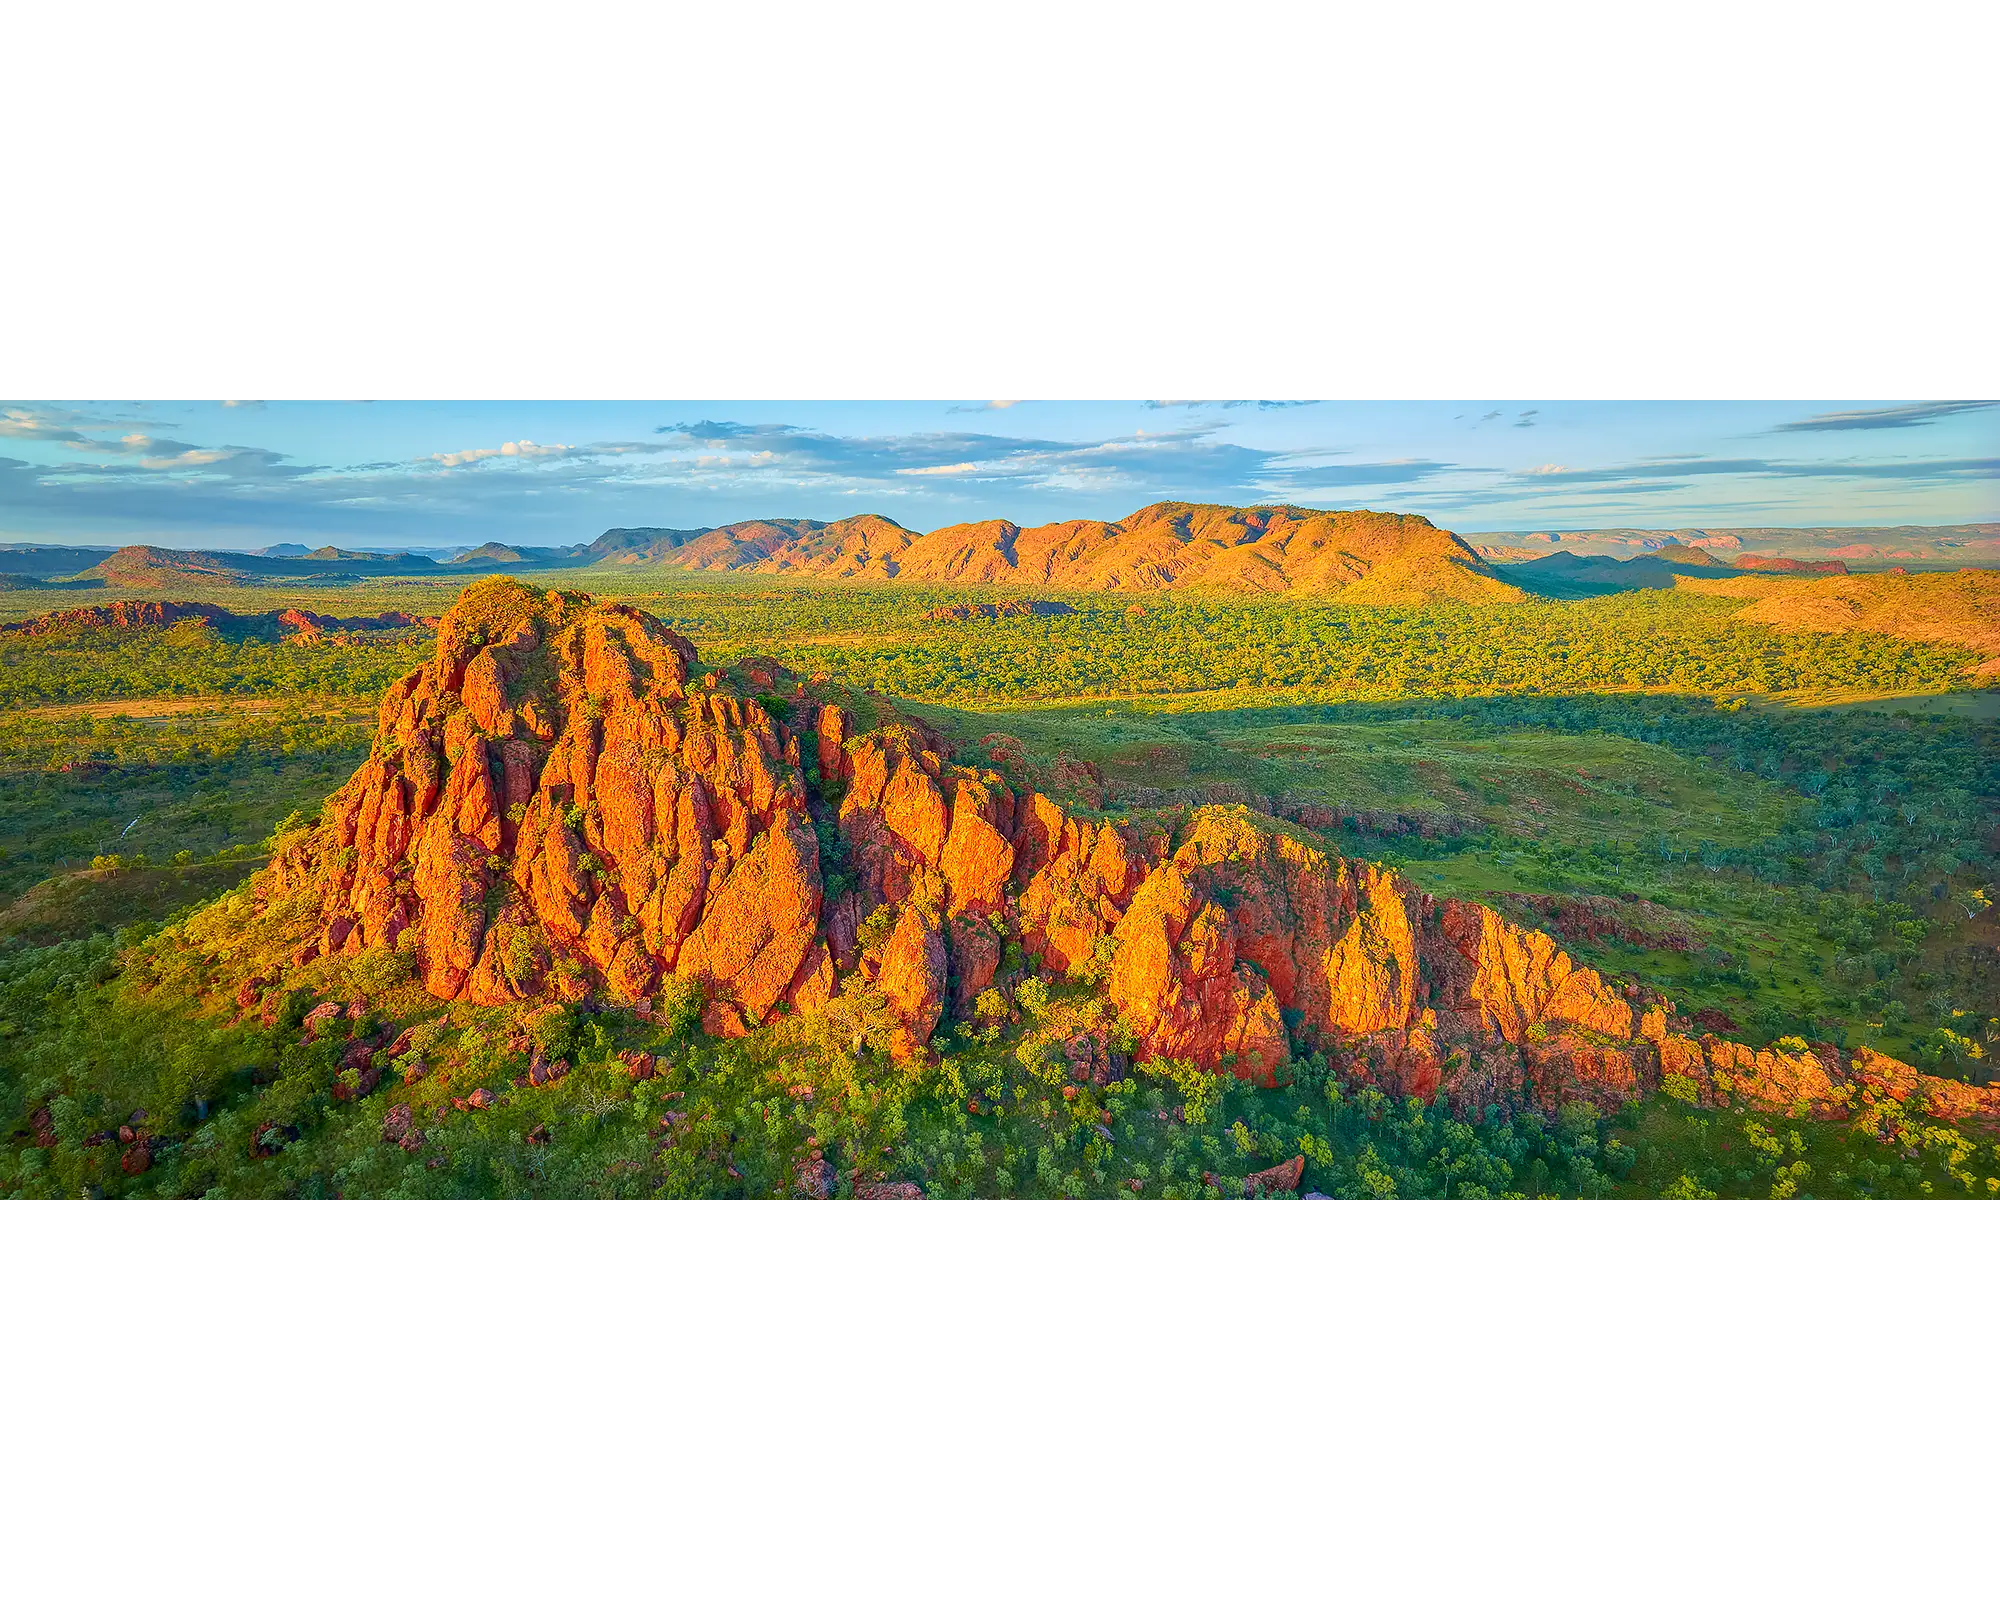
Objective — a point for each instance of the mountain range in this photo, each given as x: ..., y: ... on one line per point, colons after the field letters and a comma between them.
x: 1363, y: 557
x: 1366, y: 556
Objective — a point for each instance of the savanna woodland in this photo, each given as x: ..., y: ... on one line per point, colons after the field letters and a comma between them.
x: 863, y: 866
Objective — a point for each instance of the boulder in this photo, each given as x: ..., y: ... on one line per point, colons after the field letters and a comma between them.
x: 887, y: 1191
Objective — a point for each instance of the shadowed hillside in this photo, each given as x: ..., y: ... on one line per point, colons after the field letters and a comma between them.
x: 1566, y: 575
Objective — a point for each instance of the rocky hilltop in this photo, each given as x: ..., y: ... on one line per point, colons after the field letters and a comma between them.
x: 294, y: 625
x: 123, y: 614
x: 561, y: 804
x: 1369, y: 557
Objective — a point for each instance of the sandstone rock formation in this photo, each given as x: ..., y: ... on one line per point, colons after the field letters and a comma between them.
x: 556, y: 806
x: 303, y: 627
x: 290, y: 624
x: 122, y: 614
x: 1369, y: 557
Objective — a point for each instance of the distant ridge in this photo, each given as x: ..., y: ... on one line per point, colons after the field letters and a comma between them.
x: 1952, y: 544
x: 1369, y: 557
x: 49, y: 560
x: 1359, y: 556
x: 1787, y: 564
x: 1567, y: 575
x: 493, y: 553
x: 147, y: 566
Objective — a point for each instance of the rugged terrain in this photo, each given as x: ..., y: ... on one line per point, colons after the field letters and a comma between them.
x: 1368, y: 557
x: 1183, y: 893
x: 559, y: 805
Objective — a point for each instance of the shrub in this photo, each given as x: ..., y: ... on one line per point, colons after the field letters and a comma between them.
x: 677, y: 1009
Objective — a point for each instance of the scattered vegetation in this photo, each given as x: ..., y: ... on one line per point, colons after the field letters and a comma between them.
x: 1608, y: 767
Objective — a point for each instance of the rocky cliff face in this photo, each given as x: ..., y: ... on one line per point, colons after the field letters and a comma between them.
x: 556, y: 804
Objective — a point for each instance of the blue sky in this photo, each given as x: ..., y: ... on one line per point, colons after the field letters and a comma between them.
x: 406, y: 474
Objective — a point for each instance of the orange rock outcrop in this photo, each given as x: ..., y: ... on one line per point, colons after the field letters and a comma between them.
x: 123, y: 614
x: 555, y: 805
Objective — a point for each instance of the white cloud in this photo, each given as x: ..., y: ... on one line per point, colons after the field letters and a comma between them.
x: 513, y: 447
x: 186, y: 458
x: 17, y: 424
x: 952, y: 470
x: 1551, y: 470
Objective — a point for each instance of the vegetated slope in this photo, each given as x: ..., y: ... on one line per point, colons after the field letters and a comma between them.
x: 1366, y: 556
x: 1961, y: 608
x: 141, y: 566
x: 556, y: 807
x: 144, y: 566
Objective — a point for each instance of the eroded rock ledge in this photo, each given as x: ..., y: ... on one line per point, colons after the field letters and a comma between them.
x: 556, y: 804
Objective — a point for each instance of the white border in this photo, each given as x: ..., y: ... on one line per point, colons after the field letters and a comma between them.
x: 1079, y: 200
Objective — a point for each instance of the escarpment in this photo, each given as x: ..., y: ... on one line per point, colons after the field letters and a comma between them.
x: 559, y: 805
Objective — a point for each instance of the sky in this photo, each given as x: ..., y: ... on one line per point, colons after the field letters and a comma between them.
x: 445, y: 475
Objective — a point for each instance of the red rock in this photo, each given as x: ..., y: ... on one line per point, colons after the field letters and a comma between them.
x: 1781, y: 1082
x: 912, y: 976
x: 558, y: 804
x: 317, y: 1018
x: 542, y: 1073
x: 1281, y: 1179
x: 269, y: 1139
x: 887, y: 1191
x: 125, y: 614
